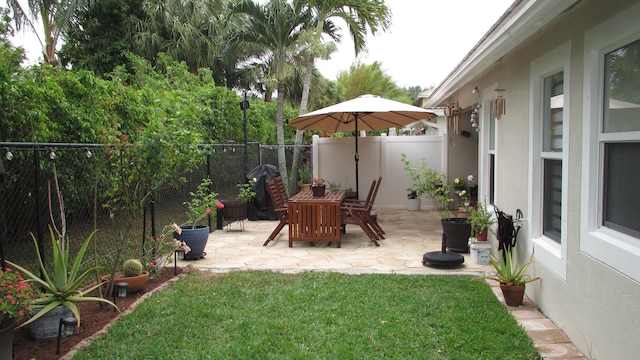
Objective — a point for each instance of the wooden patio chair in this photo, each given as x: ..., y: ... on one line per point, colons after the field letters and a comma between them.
x: 279, y: 197
x: 359, y: 213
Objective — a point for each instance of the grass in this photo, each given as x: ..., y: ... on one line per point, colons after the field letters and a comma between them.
x: 317, y: 315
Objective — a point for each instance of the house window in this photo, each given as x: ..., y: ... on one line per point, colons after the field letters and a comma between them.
x: 551, y: 155
x: 492, y: 155
x: 610, y: 230
x: 549, y: 139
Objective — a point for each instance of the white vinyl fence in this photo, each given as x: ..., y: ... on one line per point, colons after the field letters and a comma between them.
x: 334, y: 160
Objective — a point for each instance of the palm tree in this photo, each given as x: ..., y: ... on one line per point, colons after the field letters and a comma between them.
x: 275, y: 26
x: 55, y: 17
x: 361, y: 16
x: 187, y: 30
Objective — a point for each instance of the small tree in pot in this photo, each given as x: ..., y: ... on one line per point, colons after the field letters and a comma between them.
x: 428, y: 182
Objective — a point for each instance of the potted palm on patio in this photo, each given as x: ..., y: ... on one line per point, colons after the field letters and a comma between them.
x: 428, y: 182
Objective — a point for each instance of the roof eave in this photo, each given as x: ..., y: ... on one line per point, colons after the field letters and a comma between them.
x: 523, y: 19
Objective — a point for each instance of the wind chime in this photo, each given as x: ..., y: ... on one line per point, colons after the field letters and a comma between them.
x: 452, y: 113
x: 499, y: 105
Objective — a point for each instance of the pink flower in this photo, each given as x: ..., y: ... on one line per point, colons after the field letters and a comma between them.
x: 207, y: 212
x: 219, y: 204
x: 176, y: 228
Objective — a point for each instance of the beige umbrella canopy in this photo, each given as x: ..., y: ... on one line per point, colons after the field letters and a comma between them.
x: 366, y: 112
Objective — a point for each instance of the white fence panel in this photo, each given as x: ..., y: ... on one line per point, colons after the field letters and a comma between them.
x: 333, y: 159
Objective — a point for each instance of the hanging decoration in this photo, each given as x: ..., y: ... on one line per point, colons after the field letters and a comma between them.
x: 475, y: 115
x: 452, y: 113
x: 499, y: 105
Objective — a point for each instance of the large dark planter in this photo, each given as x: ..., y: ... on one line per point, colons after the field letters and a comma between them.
x: 513, y: 295
x: 458, y: 232
x: 47, y: 326
x: 6, y: 341
x: 196, y: 238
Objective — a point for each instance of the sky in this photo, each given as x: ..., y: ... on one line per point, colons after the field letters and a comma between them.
x: 426, y: 40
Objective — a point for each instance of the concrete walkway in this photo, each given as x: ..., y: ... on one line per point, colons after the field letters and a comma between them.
x: 409, y: 234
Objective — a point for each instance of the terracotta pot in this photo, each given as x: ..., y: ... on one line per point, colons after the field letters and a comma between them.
x: 482, y: 236
x: 513, y: 295
x: 306, y: 187
x: 136, y: 283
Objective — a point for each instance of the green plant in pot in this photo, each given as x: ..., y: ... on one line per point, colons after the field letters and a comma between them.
x: 413, y: 200
x: 63, y: 285
x: 195, y: 236
x: 428, y: 182
x: 237, y: 210
x: 133, y: 274
x: 16, y: 301
x: 511, y: 275
x: 481, y: 219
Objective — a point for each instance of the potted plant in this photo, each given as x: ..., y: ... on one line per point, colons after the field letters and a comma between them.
x: 510, y: 274
x: 318, y: 186
x: 62, y: 286
x: 236, y: 210
x: 413, y: 202
x: 481, y: 220
x: 132, y: 273
x: 193, y: 235
x: 428, y: 182
x: 16, y: 299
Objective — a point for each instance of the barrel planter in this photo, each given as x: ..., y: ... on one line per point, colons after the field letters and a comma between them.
x: 196, y: 238
x: 235, y: 210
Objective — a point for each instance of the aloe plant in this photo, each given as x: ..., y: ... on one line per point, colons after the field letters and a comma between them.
x: 63, y: 285
x: 508, y: 270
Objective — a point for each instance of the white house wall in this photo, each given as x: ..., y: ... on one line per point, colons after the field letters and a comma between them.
x: 595, y: 304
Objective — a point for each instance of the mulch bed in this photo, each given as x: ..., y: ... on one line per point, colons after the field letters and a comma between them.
x: 93, y: 320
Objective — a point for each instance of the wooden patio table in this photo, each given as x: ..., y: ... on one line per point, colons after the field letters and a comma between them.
x: 314, y: 218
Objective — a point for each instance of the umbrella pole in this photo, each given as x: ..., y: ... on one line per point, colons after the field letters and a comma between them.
x: 357, y: 158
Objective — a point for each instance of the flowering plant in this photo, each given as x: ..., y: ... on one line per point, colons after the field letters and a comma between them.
x: 203, y: 200
x: 464, y: 199
x: 158, y: 251
x: 16, y: 296
x: 318, y: 181
x: 459, y: 183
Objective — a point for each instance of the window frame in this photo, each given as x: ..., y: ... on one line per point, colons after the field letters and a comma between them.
x: 488, y: 129
x: 615, y: 249
x: 548, y: 251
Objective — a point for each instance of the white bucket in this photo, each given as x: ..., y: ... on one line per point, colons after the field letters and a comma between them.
x: 480, y: 252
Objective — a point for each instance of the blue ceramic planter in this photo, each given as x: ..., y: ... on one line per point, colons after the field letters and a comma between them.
x: 196, y: 238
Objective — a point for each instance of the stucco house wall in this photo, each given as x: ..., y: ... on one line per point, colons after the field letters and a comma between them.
x: 583, y: 292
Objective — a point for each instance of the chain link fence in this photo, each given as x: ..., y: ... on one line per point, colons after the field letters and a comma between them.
x: 29, y: 205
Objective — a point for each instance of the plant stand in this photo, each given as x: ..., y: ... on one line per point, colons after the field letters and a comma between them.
x: 234, y: 211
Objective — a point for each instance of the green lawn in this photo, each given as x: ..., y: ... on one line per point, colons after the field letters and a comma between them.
x: 317, y: 315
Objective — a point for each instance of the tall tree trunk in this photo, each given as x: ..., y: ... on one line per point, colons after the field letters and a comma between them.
x: 282, y: 160
x: 300, y: 133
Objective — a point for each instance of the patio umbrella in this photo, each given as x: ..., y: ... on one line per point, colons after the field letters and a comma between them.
x: 366, y: 112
